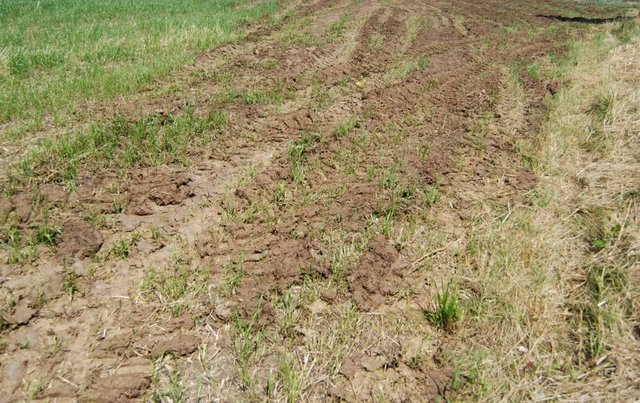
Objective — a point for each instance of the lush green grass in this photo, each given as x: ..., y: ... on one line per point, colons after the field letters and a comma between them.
x: 55, y: 54
x: 118, y: 143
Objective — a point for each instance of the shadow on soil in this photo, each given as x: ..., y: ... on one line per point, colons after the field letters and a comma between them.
x: 585, y: 20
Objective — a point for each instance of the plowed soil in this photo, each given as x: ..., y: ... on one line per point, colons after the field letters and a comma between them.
x: 341, y: 115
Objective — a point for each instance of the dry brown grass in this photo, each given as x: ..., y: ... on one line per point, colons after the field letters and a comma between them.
x: 555, y: 309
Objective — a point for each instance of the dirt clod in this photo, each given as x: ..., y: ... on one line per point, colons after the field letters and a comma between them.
x: 119, y: 388
x: 152, y: 188
x: 179, y: 345
x: 79, y: 239
x: 329, y: 295
x: 373, y: 279
x: 21, y: 315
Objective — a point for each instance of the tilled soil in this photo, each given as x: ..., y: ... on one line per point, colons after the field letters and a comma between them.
x: 424, y: 93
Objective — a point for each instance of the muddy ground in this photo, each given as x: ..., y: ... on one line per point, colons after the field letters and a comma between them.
x: 341, y: 117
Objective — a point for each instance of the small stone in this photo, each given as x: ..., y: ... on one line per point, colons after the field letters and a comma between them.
x: 329, y: 295
x: 348, y: 368
x: 79, y: 238
x: 222, y: 312
x: 6, y: 207
x: 13, y: 371
x: 317, y: 307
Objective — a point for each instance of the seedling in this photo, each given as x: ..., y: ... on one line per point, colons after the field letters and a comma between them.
x: 344, y: 128
x: 432, y: 195
x: 70, y: 283
x: 289, y: 306
x: 233, y: 278
x: 423, y: 62
x: 120, y: 249
x: 280, y: 192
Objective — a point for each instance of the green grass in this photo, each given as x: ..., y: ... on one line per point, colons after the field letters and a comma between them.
x: 70, y: 283
x: 297, y: 154
x: 121, y: 249
x: 336, y: 29
x: 57, y: 54
x: 175, y: 284
x: 246, y: 340
x: 290, y: 380
x: 47, y: 234
x: 447, y: 308
x: 119, y: 143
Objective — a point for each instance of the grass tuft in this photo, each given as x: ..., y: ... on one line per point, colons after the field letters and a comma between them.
x: 447, y: 310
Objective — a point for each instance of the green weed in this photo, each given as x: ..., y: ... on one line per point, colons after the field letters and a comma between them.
x: 290, y: 380
x: 280, y: 193
x: 423, y: 62
x: 233, y: 277
x: 376, y: 40
x: 606, y: 237
x: 626, y: 30
x: 602, y: 107
x: 120, y: 249
x: 46, y: 234
x: 19, y: 250
x: 70, y: 283
x: 344, y: 128
x: 121, y: 144
x: 288, y: 304
x: 431, y: 196
x: 172, y: 283
x: 533, y: 71
x: 297, y: 154
x: 337, y: 28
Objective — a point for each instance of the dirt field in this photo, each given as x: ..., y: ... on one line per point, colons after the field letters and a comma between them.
x: 272, y: 221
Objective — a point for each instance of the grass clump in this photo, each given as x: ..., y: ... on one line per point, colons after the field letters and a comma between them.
x: 291, y: 383
x: 121, y: 249
x: 233, y: 277
x: 297, y: 155
x: 344, y: 128
x: 604, y: 284
x: 447, y: 309
x: 336, y: 29
x: 19, y: 250
x: 70, y: 283
x: 46, y: 234
x: 626, y: 31
x: 602, y: 107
